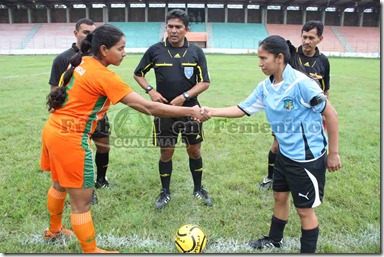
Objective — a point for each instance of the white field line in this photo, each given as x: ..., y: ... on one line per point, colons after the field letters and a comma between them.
x: 370, y: 236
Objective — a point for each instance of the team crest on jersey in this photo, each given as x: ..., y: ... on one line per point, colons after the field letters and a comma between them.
x: 288, y: 104
x: 188, y: 72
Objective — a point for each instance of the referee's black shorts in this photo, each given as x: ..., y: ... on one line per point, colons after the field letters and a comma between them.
x: 167, y: 130
x: 103, y: 128
x: 305, y: 180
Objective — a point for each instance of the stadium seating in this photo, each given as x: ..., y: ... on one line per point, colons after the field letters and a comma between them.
x: 238, y: 35
x: 331, y: 42
x: 12, y: 35
x: 140, y: 34
x: 361, y: 39
x: 52, y: 36
x: 289, y: 32
x: 198, y: 27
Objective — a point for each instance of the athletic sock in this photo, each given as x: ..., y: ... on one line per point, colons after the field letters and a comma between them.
x: 276, y: 230
x: 101, y: 160
x: 165, y: 171
x: 55, y: 206
x: 308, y: 240
x: 82, y: 225
x: 271, y: 163
x: 196, y: 168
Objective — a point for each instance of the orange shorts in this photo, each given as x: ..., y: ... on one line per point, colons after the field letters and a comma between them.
x: 68, y: 157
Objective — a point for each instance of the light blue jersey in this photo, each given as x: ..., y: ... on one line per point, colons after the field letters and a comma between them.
x: 294, y: 119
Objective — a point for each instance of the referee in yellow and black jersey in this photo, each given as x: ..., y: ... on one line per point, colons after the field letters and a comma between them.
x: 181, y: 75
x: 308, y: 59
x: 308, y: 56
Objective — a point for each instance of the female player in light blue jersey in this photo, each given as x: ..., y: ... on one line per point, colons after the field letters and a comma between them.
x: 293, y: 103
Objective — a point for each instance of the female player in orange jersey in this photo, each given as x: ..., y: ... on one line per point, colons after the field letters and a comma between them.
x: 83, y: 97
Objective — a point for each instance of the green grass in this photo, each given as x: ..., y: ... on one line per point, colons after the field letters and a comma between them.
x: 234, y: 163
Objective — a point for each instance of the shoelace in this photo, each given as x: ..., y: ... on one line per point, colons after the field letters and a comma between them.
x: 163, y: 195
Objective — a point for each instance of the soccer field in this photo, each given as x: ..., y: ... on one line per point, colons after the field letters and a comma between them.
x: 234, y: 153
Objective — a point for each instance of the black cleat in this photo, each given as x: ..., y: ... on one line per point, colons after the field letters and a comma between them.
x: 266, y: 184
x: 265, y: 242
x: 102, y: 184
x: 203, y: 195
x: 163, y: 199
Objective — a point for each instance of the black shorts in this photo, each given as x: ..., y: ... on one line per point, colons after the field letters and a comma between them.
x: 305, y: 180
x: 102, y: 128
x: 166, y: 131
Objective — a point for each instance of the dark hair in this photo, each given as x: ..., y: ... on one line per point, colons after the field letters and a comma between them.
x: 309, y: 25
x: 84, y: 21
x: 276, y: 45
x: 107, y: 35
x: 178, y: 14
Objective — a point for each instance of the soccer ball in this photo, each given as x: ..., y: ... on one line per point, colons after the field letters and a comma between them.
x: 190, y: 239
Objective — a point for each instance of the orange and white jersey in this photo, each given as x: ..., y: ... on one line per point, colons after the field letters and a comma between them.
x: 89, y: 93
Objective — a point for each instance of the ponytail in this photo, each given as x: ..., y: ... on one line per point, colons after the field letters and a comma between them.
x: 56, y: 98
x: 294, y: 60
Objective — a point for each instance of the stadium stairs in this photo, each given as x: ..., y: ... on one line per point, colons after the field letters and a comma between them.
x: 29, y: 37
x: 361, y: 39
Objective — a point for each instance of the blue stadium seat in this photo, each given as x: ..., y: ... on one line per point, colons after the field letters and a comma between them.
x: 238, y: 35
x: 140, y: 34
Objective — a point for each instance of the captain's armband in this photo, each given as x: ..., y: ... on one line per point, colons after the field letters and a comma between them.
x: 318, y: 99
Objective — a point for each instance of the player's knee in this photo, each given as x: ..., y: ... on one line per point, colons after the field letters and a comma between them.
x: 194, y: 152
x: 281, y: 198
x: 305, y: 213
x: 166, y: 155
x: 194, y: 155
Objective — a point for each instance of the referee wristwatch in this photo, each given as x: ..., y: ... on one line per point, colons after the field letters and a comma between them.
x: 148, y: 88
x: 186, y: 96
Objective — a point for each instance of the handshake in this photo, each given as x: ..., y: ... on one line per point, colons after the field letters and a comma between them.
x: 201, y: 114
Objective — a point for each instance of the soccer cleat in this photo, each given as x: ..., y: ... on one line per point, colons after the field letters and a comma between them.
x: 266, y: 184
x: 95, y: 200
x: 50, y: 236
x: 203, y: 195
x: 265, y: 242
x: 163, y: 199
x: 99, y: 250
x: 102, y: 184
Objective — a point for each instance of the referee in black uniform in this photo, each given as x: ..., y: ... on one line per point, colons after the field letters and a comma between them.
x: 308, y: 59
x: 181, y: 75
x: 83, y: 27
